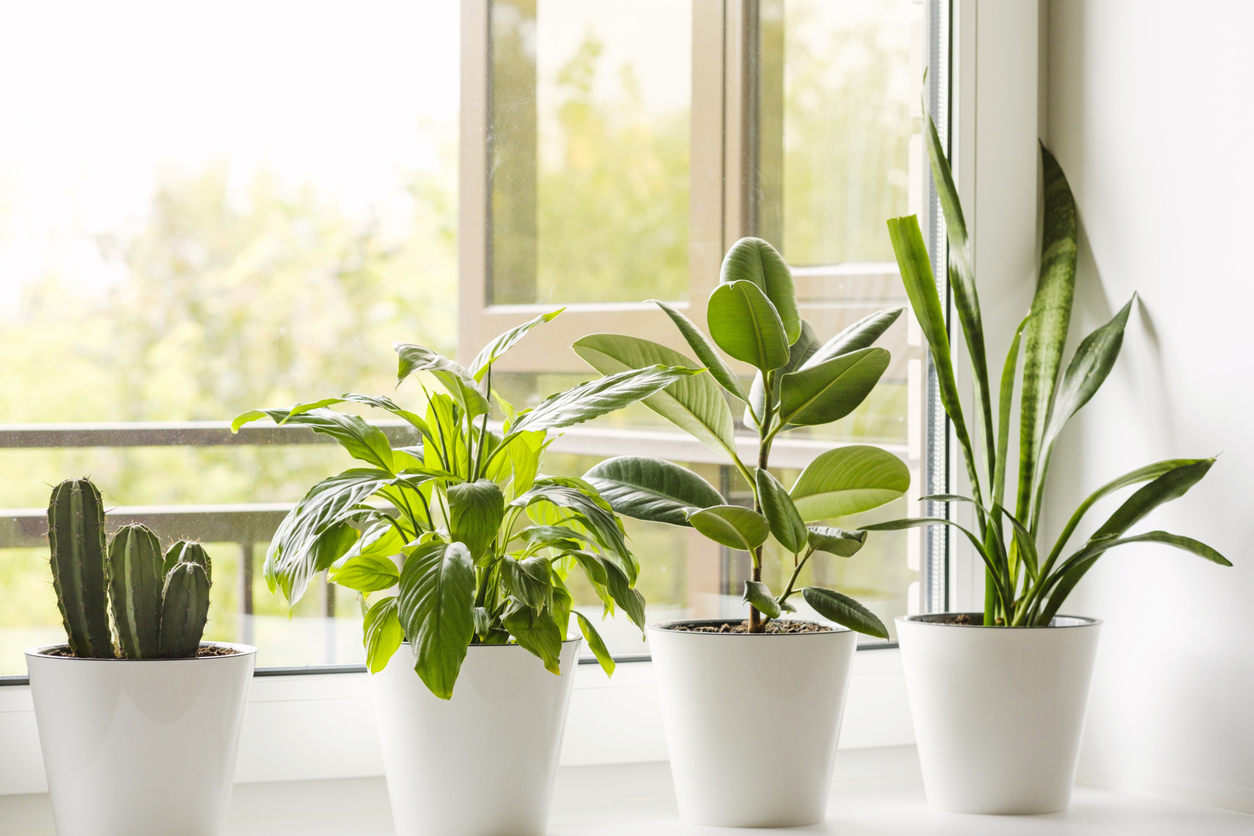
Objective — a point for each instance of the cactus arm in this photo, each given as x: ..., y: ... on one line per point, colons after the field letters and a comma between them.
x: 79, y: 568
x: 184, y: 611
x: 135, y: 591
x: 185, y: 551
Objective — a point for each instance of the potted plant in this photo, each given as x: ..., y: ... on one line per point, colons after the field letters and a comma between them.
x: 460, y: 548
x: 138, y: 735
x: 999, y: 697
x: 752, y: 708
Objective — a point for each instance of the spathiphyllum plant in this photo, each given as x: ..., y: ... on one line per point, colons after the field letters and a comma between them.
x: 801, y: 382
x: 460, y: 539
x: 1027, y: 580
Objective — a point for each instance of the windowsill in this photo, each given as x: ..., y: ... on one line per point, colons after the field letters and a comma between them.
x: 876, y: 791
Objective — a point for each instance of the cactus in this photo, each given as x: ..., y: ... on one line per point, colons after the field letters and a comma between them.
x: 136, y: 581
x: 184, y: 610
x: 185, y: 551
x: 80, y: 572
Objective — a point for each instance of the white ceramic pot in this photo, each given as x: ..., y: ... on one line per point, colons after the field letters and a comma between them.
x: 998, y: 711
x: 483, y: 762
x: 140, y: 747
x: 751, y: 721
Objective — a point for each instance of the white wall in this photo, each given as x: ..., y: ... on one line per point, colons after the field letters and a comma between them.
x: 1149, y: 112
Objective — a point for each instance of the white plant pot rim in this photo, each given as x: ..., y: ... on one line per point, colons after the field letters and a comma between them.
x: 674, y: 627
x: 1060, y: 622
x: 44, y: 651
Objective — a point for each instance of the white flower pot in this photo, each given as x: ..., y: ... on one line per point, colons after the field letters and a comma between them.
x: 751, y: 721
x: 483, y: 762
x: 998, y: 711
x: 140, y: 747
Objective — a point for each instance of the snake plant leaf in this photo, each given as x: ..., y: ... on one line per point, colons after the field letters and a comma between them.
x: 916, y: 275
x: 476, y: 510
x: 995, y: 571
x: 862, y: 334
x: 1046, y: 331
x: 759, y: 596
x: 836, y: 541
x: 798, y: 354
x: 491, y: 352
x: 360, y: 440
x: 1004, y: 405
x: 529, y: 580
x: 745, y: 324
x: 366, y: 574
x: 754, y: 260
x: 831, y: 390
x: 786, y: 523
x: 456, y: 380
x: 1087, y: 371
x: 1171, y: 485
x: 733, y: 526
x: 382, y: 634
x: 598, y: 397
x: 621, y: 591
x: 844, y: 610
x: 536, y: 632
x: 652, y: 489
x: 595, y: 643
x: 705, y: 351
x: 849, y: 480
x: 435, y: 606
x: 695, y: 404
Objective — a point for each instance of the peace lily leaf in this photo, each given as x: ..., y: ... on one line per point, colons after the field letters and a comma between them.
x: 592, y: 566
x: 595, y: 643
x: 527, y: 580
x: 652, y: 489
x: 757, y: 594
x: 475, y: 510
x: 378, y: 402
x: 732, y: 525
x: 483, y: 622
x: 561, y: 605
x: 844, y: 611
x: 536, y: 632
x: 786, y: 524
x: 600, y: 521
x: 754, y: 260
x: 455, y: 379
x: 829, y: 391
x: 619, y: 588
x: 493, y: 350
x: 705, y: 351
x: 862, y: 334
x: 798, y: 354
x: 745, y: 324
x: 542, y: 535
x: 1171, y: 485
x: 596, y: 398
x: 366, y: 573
x: 382, y: 634
x: 695, y: 404
x: 849, y: 480
x: 435, y: 606
x: 360, y: 440
x: 835, y: 541
x: 332, y: 544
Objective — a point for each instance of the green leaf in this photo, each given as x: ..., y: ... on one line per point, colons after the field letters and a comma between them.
x: 849, y: 480
x: 380, y: 540
x: 829, y: 391
x: 366, y: 573
x: 798, y: 354
x: 733, y: 526
x: 995, y: 571
x: 598, y: 397
x: 546, y: 536
x: 777, y: 506
x: 1005, y: 403
x: 705, y: 351
x: 360, y: 440
x: 756, y: 261
x: 527, y: 580
x: 476, y: 510
x: 862, y: 334
x: 620, y: 590
x: 759, y: 595
x: 455, y: 379
x: 376, y: 401
x: 601, y: 522
x: 524, y: 460
x: 493, y: 350
x: 595, y: 643
x: 435, y: 606
x: 835, y: 541
x: 536, y: 632
x: 745, y: 325
x: 1171, y: 485
x: 652, y: 489
x: 591, y: 565
x: 1046, y: 331
x: 695, y: 404
x: 382, y: 634
x: 844, y: 611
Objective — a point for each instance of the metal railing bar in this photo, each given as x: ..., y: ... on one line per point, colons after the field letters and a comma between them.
x: 175, y: 434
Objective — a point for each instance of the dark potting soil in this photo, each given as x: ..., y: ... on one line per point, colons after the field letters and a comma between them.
x: 204, y: 651
x: 963, y: 618
x: 786, y: 626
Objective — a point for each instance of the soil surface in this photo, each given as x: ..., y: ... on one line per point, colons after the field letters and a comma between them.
x: 786, y: 626
x: 964, y: 618
x: 205, y: 650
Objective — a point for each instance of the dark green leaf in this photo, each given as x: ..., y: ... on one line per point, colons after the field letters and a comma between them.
x: 862, y: 334
x: 733, y: 526
x: 536, y: 632
x: 621, y: 591
x: 1171, y: 485
x: 493, y: 350
x: 592, y: 566
x: 598, y: 397
x: 849, y: 480
x: 757, y: 594
x: 595, y: 643
x: 652, y: 489
x: 745, y: 324
x: 777, y: 506
x: 844, y: 611
x: 1005, y: 404
x: 366, y: 573
x: 551, y: 536
x: 756, y: 261
x: 475, y: 513
x: 382, y: 634
x: 829, y: 391
x: 435, y: 606
x: 836, y: 541
x: 706, y: 353
x: 527, y: 580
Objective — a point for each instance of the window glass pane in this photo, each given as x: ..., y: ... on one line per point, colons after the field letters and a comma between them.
x: 590, y: 126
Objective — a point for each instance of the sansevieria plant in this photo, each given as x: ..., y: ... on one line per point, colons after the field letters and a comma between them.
x: 1027, y: 580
